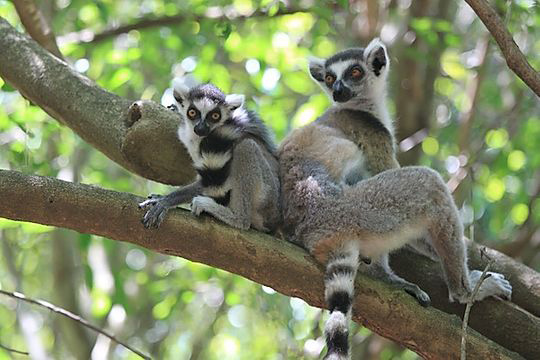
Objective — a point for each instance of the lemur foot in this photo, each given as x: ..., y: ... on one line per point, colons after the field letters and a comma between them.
x: 156, y: 211
x: 421, y: 296
x: 493, y: 285
x: 201, y: 204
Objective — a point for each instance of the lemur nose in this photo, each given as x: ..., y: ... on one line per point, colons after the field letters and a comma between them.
x: 338, y: 87
x: 340, y: 92
x: 201, y: 128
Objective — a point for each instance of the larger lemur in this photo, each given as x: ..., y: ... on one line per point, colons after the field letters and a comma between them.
x: 340, y: 203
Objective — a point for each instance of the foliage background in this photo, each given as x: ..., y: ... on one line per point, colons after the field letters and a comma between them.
x: 458, y: 109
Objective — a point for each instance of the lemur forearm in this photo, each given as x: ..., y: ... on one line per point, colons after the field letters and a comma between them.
x: 184, y: 194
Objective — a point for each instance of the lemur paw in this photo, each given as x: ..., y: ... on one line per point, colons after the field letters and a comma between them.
x: 421, y: 296
x: 493, y: 285
x: 152, y: 199
x: 200, y: 204
x: 156, y: 211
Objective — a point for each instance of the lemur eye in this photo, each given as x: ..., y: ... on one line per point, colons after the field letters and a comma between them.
x: 329, y: 79
x: 356, y: 73
x: 216, y: 116
x: 192, y: 113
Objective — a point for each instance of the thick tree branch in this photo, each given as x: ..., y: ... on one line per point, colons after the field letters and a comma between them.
x: 88, y: 36
x: 272, y: 262
x: 515, y: 59
x: 98, y: 116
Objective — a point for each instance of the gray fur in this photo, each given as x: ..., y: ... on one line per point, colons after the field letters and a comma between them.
x: 238, y: 180
x: 255, y: 190
x: 158, y: 205
x: 344, y: 193
x: 368, y: 92
x: 380, y: 214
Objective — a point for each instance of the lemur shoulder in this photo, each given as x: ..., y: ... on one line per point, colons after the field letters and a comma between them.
x: 234, y: 155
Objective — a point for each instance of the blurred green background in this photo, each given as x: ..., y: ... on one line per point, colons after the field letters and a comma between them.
x: 458, y: 109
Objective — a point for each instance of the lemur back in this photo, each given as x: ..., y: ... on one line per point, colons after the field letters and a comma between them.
x: 345, y: 197
x: 235, y: 158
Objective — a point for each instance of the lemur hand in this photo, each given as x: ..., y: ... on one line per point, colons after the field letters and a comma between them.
x: 156, y: 211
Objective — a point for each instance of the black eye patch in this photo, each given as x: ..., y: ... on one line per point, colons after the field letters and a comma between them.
x: 193, y: 113
x: 213, y: 116
x: 329, y: 78
x: 354, y: 72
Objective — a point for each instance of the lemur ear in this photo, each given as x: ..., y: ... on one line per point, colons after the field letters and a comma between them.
x: 316, y: 68
x: 234, y: 101
x: 182, y: 86
x: 376, y: 56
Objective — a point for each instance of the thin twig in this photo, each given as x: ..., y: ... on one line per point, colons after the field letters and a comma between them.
x: 515, y: 59
x: 469, y: 306
x: 88, y: 36
x: 70, y: 315
x: 13, y: 350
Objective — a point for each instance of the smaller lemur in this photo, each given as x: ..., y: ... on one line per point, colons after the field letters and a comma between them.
x: 234, y: 155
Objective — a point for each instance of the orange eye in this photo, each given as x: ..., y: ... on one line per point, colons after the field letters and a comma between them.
x: 192, y: 113
x: 329, y: 79
x: 216, y: 116
x: 356, y: 73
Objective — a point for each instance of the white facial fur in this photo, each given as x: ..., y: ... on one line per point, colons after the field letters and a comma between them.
x: 232, y: 107
x: 370, y: 92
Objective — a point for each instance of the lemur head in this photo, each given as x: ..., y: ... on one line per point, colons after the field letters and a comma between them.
x: 204, y: 107
x: 353, y: 74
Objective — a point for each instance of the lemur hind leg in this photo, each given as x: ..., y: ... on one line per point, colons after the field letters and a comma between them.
x: 382, y: 271
x: 447, y: 239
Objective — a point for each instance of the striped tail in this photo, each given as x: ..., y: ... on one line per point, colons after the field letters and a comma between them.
x: 339, y: 293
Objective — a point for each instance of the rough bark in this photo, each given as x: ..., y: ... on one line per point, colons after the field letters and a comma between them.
x: 98, y: 116
x: 282, y: 266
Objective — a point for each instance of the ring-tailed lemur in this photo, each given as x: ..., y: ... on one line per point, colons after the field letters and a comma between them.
x: 338, y: 218
x: 234, y: 155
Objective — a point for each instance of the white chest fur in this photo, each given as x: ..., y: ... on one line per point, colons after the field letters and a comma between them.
x: 191, y: 142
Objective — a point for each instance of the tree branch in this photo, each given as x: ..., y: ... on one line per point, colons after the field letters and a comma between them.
x: 515, y: 59
x: 34, y: 22
x: 70, y: 315
x: 470, y: 303
x: 101, y: 118
x: 89, y: 37
x: 271, y: 262
x: 13, y: 350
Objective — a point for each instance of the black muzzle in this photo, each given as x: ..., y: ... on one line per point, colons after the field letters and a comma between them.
x: 341, y: 93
